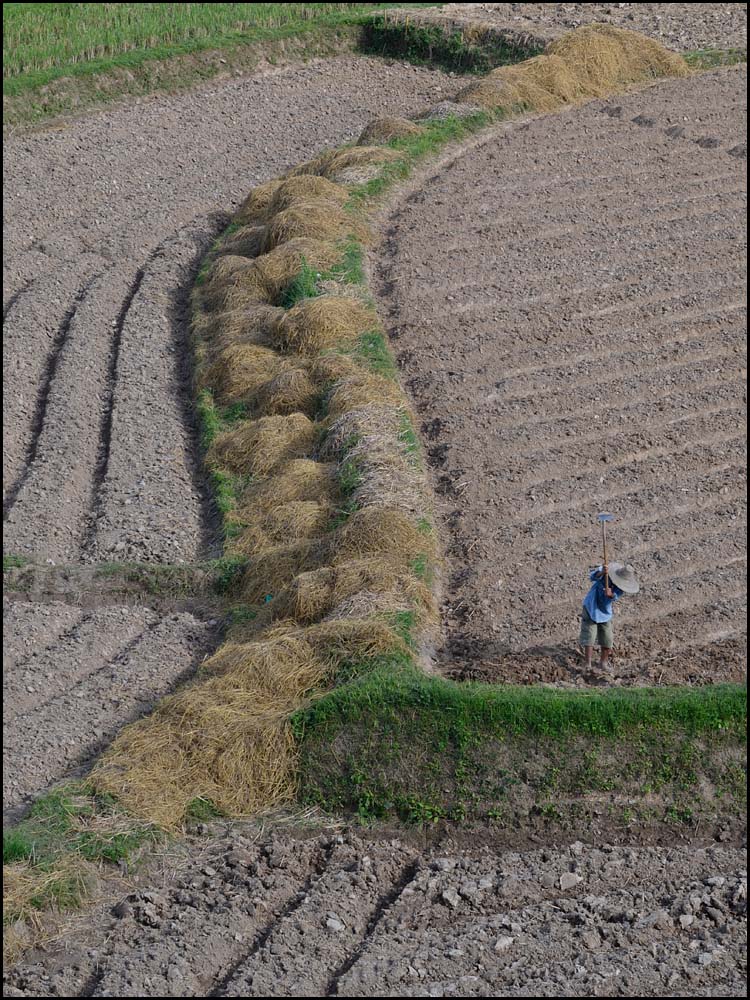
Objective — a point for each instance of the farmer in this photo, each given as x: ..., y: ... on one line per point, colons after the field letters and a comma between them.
x: 609, y: 583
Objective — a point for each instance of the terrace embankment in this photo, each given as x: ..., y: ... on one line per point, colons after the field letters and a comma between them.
x: 111, y: 215
x: 567, y: 303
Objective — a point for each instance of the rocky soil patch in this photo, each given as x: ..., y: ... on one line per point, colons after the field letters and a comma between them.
x: 339, y: 915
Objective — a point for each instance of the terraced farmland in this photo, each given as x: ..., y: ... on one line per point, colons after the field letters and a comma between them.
x: 568, y: 304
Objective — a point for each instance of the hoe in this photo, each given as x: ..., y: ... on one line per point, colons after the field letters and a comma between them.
x: 604, y: 519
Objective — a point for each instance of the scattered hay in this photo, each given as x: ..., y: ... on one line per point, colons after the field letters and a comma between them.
x: 592, y: 61
x: 307, y: 597
x: 362, y: 389
x: 311, y: 220
x: 381, y: 531
x: 240, y: 288
x: 357, y: 157
x: 353, y: 639
x: 366, y: 603
x: 290, y: 522
x: 244, y: 242
x: 284, y: 667
x: 254, y: 209
x: 314, y: 595
x: 219, y: 740
x: 257, y: 447
x: 225, y: 737
x: 272, y: 570
x: 330, y: 368
x: 239, y: 371
x: 250, y: 326
x: 331, y: 163
x: 367, y: 425
x: 324, y: 321
x: 512, y: 89
x: 305, y: 188
x: 222, y: 271
x: 605, y: 58
x: 542, y: 82
x: 27, y: 887
x: 291, y: 391
x: 300, y: 480
x: 382, y: 130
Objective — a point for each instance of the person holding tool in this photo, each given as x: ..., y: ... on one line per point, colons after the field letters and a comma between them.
x: 609, y: 583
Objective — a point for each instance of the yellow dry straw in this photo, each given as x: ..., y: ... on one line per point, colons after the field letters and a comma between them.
x: 360, y: 390
x: 306, y: 188
x: 314, y: 594
x: 270, y: 571
x: 291, y: 391
x: 318, y: 220
x: 226, y: 737
x: 299, y: 479
x: 254, y: 209
x: 382, y: 531
x: 606, y: 58
x: 216, y: 331
x: 257, y: 447
x: 322, y: 322
x: 289, y: 522
x: 591, y: 62
x: 244, y: 242
x: 333, y: 162
x: 383, y: 130
x: 240, y: 370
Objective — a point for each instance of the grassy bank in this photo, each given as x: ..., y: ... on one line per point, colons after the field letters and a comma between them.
x: 396, y: 743
x: 63, y: 58
x: 441, y: 45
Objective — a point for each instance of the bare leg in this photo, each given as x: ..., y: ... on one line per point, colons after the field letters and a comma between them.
x: 589, y: 652
x: 604, y: 660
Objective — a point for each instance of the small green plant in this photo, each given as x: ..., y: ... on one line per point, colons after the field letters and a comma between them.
x: 203, y: 811
x: 14, y: 562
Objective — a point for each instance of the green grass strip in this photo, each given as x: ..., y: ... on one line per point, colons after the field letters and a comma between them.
x: 45, y: 41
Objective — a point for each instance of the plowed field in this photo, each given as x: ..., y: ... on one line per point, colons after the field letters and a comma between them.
x: 568, y: 304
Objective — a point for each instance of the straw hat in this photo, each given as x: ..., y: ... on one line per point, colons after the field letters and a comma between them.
x: 623, y: 576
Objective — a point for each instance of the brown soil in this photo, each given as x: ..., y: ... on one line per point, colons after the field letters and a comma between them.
x: 346, y: 914
x: 679, y: 26
x: 567, y: 302
x: 72, y: 678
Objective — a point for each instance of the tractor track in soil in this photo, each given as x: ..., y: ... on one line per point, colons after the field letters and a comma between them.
x: 567, y: 300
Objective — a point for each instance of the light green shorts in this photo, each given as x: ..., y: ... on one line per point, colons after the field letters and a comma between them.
x: 596, y: 633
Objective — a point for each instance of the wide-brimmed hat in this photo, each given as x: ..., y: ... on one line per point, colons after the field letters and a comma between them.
x: 623, y: 576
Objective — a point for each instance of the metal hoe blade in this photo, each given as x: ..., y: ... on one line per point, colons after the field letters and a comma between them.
x: 604, y: 518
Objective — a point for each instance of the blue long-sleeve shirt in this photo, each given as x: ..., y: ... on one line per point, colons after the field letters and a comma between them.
x: 596, y: 602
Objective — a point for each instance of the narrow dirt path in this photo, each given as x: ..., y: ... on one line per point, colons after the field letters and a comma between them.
x: 106, y: 220
x: 359, y: 915
x: 568, y: 304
